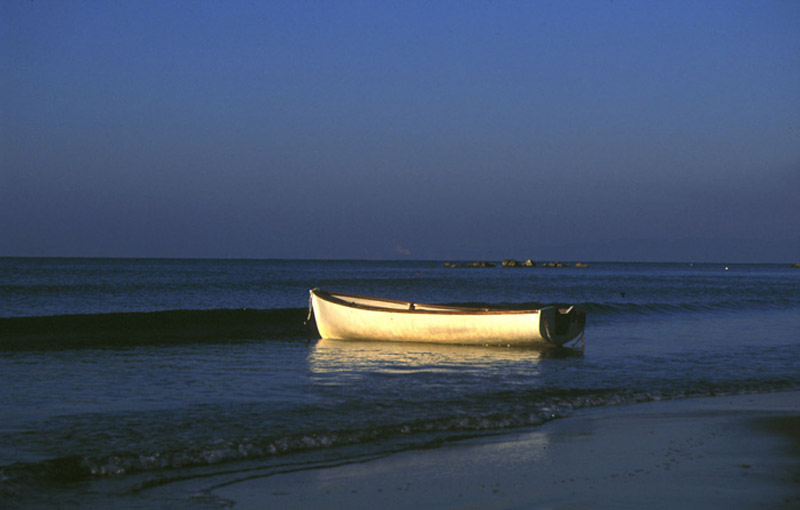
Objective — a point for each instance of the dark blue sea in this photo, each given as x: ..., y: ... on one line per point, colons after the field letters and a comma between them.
x: 144, y: 383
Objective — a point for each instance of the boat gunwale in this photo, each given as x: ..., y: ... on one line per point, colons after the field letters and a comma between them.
x: 333, y: 297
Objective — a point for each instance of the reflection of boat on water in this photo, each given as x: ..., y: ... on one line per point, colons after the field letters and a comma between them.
x: 351, y: 317
x: 330, y: 355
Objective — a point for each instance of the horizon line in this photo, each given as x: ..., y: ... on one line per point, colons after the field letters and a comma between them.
x: 397, y: 259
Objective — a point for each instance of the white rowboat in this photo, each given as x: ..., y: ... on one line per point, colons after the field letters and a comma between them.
x: 350, y: 317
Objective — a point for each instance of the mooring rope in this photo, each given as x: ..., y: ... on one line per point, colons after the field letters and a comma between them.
x: 310, y: 306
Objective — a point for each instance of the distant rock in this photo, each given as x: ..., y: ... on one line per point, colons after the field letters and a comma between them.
x: 504, y: 263
x: 581, y: 264
x: 797, y: 264
x: 517, y: 263
x: 481, y: 264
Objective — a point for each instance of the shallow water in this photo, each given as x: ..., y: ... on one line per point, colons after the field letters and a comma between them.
x: 130, y: 377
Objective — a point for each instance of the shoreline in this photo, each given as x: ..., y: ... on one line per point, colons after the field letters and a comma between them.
x: 739, y: 451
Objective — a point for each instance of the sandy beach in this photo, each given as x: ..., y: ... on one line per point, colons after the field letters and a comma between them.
x: 723, y: 452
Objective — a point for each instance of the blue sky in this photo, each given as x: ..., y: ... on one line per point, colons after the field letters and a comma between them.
x: 595, y: 130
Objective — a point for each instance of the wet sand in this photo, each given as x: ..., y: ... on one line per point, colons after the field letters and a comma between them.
x: 723, y: 452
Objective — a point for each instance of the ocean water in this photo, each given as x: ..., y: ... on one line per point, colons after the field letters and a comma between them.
x: 149, y: 383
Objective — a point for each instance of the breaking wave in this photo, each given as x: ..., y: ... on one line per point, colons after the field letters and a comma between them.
x: 423, y: 433
x: 222, y: 325
x: 142, y: 328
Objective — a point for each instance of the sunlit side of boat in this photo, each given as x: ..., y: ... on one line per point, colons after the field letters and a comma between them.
x: 350, y: 317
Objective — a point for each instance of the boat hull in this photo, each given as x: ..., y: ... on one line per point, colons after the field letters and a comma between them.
x: 349, y: 317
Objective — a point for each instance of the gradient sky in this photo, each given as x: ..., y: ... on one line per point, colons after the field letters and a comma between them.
x: 598, y: 130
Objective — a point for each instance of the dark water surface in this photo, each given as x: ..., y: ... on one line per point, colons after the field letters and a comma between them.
x: 152, y: 381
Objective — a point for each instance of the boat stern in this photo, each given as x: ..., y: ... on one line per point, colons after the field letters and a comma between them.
x: 561, y: 326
